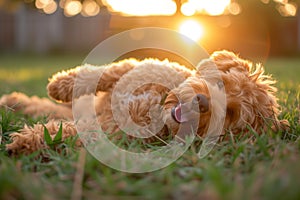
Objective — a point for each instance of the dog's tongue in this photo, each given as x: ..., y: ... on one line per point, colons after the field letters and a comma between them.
x: 177, y: 114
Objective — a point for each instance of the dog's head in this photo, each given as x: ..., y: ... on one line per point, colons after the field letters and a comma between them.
x: 226, y: 92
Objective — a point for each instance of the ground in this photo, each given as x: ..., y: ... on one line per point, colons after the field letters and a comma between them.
x: 265, y: 167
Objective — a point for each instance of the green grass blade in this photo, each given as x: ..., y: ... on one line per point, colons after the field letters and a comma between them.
x: 58, y: 137
x: 47, y: 137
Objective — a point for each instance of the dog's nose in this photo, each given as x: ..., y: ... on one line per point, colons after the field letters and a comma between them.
x: 200, y: 103
x: 184, y: 112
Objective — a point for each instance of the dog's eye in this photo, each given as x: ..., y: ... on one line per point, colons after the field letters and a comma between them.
x: 195, y: 101
x: 201, y: 103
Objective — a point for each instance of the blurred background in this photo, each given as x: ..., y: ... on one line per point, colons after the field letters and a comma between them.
x: 40, y: 37
x: 256, y: 28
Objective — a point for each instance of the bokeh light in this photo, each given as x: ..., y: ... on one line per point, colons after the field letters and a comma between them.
x: 210, y: 7
x: 90, y: 8
x: 265, y: 1
x: 234, y: 8
x: 192, y: 29
x: 40, y: 4
x: 188, y: 9
x: 50, y: 8
x: 142, y: 8
x: 288, y: 9
x: 215, y: 7
x: 281, y: 1
x: 72, y: 7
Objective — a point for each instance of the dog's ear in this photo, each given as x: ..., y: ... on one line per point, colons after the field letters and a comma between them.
x: 226, y: 61
x: 233, y: 111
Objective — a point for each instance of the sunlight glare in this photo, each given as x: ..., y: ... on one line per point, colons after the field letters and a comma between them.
x: 142, y: 8
x: 211, y: 7
x: 216, y: 7
x: 188, y: 9
x: 191, y: 29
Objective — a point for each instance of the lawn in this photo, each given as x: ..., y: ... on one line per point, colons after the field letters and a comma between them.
x: 265, y: 168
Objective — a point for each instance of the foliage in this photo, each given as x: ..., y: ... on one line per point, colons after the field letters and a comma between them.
x: 56, y: 140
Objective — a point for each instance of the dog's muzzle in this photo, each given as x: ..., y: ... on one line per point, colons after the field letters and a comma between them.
x: 184, y: 112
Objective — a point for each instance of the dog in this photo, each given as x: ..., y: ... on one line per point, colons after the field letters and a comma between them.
x: 224, y: 94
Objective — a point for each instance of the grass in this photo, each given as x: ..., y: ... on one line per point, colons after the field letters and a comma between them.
x: 267, y: 168
x: 29, y: 73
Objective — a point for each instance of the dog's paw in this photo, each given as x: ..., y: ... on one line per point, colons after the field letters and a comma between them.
x: 15, y: 101
x: 60, y: 86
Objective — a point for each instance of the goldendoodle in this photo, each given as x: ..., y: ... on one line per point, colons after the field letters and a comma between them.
x: 156, y: 97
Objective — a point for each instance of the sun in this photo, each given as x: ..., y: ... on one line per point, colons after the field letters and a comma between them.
x: 192, y: 29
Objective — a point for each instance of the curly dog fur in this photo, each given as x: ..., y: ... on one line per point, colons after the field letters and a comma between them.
x: 250, y: 98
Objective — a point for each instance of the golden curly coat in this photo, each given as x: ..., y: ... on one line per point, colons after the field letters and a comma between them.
x: 249, y: 102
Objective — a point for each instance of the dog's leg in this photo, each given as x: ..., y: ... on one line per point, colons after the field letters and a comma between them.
x: 31, y: 139
x: 61, y: 85
x: 35, y: 106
